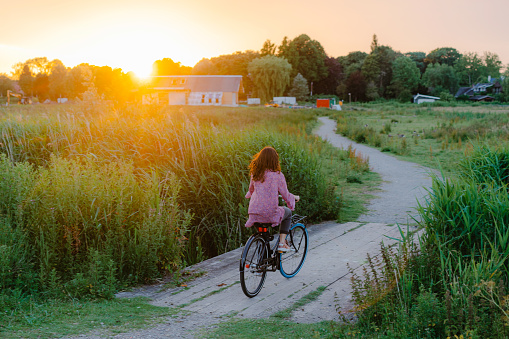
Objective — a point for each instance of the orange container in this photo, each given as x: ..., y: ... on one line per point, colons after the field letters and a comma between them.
x: 322, y: 103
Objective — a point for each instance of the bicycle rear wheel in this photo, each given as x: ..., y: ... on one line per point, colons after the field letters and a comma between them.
x: 253, y: 265
x: 291, y: 262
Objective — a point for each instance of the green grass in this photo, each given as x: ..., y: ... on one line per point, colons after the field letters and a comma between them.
x: 271, y: 328
x: 311, y: 296
x: 437, y: 137
x: 56, y: 318
x: 276, y: 326
x: 208, y: 294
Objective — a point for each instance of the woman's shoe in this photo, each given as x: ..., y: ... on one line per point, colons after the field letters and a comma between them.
x: 283, y: 248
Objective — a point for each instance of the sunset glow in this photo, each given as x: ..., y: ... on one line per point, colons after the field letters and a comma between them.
x: 132, y: 35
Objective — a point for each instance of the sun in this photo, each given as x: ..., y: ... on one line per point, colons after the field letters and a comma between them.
x: 142, y: 70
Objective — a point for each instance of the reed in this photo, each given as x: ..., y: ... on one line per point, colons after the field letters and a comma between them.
x: 107, y: 197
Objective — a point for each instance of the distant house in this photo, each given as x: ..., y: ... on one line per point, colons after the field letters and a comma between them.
x: 420, y: 98
x: 478, y: 91
x: 207, y: 90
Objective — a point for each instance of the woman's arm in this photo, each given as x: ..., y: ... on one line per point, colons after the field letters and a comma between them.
x: 251, y: 189
x: 288, y: 197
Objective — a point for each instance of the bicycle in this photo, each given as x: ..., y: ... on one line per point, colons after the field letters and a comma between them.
x: 259, y: 257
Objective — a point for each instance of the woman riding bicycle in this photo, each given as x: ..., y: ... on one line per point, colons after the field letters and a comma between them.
x: 267, y: 183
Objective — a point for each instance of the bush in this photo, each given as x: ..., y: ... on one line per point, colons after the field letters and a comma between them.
x: 84, y: 221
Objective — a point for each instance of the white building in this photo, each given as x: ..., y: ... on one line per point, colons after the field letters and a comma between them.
x: 420, y: 98
x: 285, y: 100
x: 207, y: 90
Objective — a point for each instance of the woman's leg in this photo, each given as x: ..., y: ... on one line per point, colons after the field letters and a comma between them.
x: 286, y: 223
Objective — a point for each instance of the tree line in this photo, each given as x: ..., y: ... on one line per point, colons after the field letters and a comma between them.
x: 296, y: 67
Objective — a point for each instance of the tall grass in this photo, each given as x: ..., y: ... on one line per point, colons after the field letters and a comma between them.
x: 456, y: 283
x: 93, y: 198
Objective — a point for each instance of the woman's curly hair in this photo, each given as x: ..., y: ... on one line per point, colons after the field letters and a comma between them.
x: 266, y: 159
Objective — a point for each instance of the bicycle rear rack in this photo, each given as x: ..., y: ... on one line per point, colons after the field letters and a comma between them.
x: 297, y: 218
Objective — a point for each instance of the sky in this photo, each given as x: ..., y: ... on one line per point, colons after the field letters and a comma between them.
x: 131, y: 35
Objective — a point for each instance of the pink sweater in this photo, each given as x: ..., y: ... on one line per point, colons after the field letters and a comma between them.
x: 264, y: 204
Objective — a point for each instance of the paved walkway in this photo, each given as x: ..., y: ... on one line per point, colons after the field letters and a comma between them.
x: 403, y: 182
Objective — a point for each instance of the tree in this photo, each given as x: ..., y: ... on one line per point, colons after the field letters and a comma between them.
x: 440, y: 77
x: 492, y: 63
x: 372, y: 91
x: 270, y: 75
x: 405, y: 76
x: 418, y: 58
x: 505, y: 87
x: 377, y: 67
x: 41, y: 86
x: 300, y: 88
x: 283, y: 48
x: 35, y: 65
x: 352, y: 62
x: 444, y: 55
x: 26, y: 81
x: 237, y: 64
x: 112, y: 84
x: 335, y: 75
x: 469, y: 68
x: 204, y: 67
x: 306, y: 56
x: 374, y: 43
x: 5, y: 84
x: 371, y: 68
x: 268, y: 48
x: 78, y: 80
x: 167, y: 66
x: 356, y: 86
x: 57, y: 80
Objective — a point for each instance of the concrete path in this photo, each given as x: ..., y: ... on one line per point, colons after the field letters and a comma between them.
x: 217, y: 295
x: 403, y: 182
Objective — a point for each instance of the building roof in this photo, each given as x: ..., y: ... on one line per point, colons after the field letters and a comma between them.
x: 198, y: 83
x: 418, y: 96
x: 464, y: 91
x: 481, y: 85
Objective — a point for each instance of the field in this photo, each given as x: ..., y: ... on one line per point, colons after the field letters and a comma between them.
x: 433, y: 136
x: 95, y: 198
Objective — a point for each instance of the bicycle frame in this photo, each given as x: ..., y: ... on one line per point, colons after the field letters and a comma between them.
x: 272, y: 261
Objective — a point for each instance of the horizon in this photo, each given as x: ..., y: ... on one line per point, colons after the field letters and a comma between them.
x: 132, y: 37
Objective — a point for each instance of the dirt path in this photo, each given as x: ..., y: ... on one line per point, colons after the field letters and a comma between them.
x: 217, y: 296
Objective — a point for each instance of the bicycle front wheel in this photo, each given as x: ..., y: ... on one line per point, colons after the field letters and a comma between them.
x: 253, y: 266
x: 291, y: 262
